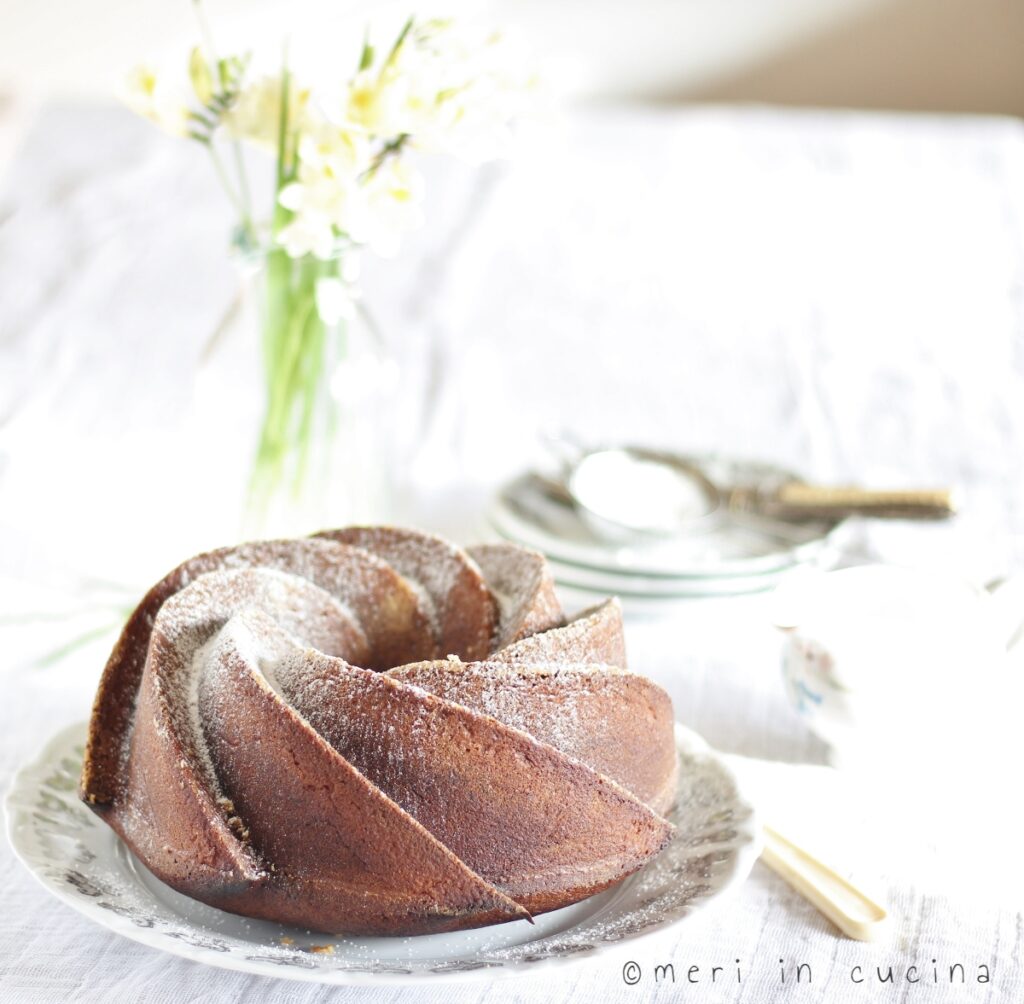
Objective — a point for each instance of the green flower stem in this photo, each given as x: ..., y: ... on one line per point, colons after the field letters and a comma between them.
x: 222, y: 175
x: 244, y: 194
x: 296, y: 346
x: 311, y: 377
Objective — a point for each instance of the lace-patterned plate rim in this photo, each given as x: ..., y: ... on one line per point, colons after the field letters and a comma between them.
x: 84, y: 864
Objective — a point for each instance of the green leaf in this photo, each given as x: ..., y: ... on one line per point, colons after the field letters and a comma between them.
x: 366, y: 56
x: 282, y: 171
x: 203, y: 120
x: 400, y: 41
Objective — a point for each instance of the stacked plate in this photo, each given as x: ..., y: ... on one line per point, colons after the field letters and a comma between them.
x: 734, y: 553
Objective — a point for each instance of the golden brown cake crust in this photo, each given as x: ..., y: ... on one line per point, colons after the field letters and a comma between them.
x: 523, y: 815
x: 617, y: 722
x: 392, y: 616
x: 594, y: 636
x: 249, y: 761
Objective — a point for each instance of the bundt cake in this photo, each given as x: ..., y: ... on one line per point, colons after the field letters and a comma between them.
x: 373, y: 731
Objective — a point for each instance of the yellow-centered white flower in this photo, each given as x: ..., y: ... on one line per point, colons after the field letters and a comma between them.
x: 343, y: 190
x: 152, y: 95
x: 321, y: 198
x: 376, y: 102
x: 391, y: 206
x: 255, y: 116
x: 451, y: 90
x: 438, y: 89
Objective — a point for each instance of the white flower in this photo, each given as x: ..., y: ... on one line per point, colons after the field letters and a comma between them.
x: 469, y: 123
x: 255, y: 115
x: 377, y: 102
x: 335, y: 300
x: 149, y: 94
x: 376, y: 209
x: 313, y: 194
x: 335, y: 151
x: 322, y: 198
x: 351, y: 268
x: 452, y: 90
x: 349, y: 183
x: 308, y: 233
x: 390, y: 207
x: 369, y: 202
x: 462, y: 90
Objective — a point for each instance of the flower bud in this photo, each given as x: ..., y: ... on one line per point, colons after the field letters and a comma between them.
x: 200, y: 76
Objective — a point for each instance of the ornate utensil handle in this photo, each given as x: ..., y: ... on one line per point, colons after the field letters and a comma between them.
x: 799, y: 499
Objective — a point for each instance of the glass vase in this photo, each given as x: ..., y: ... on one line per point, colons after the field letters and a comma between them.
x: 303, y: 384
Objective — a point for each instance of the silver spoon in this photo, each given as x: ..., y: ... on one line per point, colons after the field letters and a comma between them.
x: 635, y: 492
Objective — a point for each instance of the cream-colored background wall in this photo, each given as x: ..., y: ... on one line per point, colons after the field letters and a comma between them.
x: 930, y: 55
x: 956, y: 55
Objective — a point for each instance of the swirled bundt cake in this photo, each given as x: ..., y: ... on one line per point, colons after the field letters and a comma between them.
x: 374, y: 731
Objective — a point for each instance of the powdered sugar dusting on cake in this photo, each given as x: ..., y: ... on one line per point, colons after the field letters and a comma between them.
x: 439, y: 760
x: 609, y: 718
x: 521, y: 580
x: 542, y: 701
x: 465, y: 609
x: 593, y: 636
x: 533, y: 767
x: 194, y: 626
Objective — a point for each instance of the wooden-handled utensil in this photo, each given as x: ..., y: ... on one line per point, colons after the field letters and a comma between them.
x: 799, y: 500
x: 625, y: 491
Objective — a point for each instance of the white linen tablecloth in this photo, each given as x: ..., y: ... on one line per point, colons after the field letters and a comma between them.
x: 841, y: 293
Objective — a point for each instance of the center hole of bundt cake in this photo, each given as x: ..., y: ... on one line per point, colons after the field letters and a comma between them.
x: 378, y: 636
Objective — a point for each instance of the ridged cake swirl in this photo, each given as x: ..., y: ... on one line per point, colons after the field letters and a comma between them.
x: 374, y: 731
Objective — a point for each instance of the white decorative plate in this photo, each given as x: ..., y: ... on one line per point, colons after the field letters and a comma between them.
x: 731, y: 544
x: 81, y: 861
x: 611, y: 583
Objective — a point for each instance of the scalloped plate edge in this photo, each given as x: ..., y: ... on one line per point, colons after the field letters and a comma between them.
x: 19, y: 807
